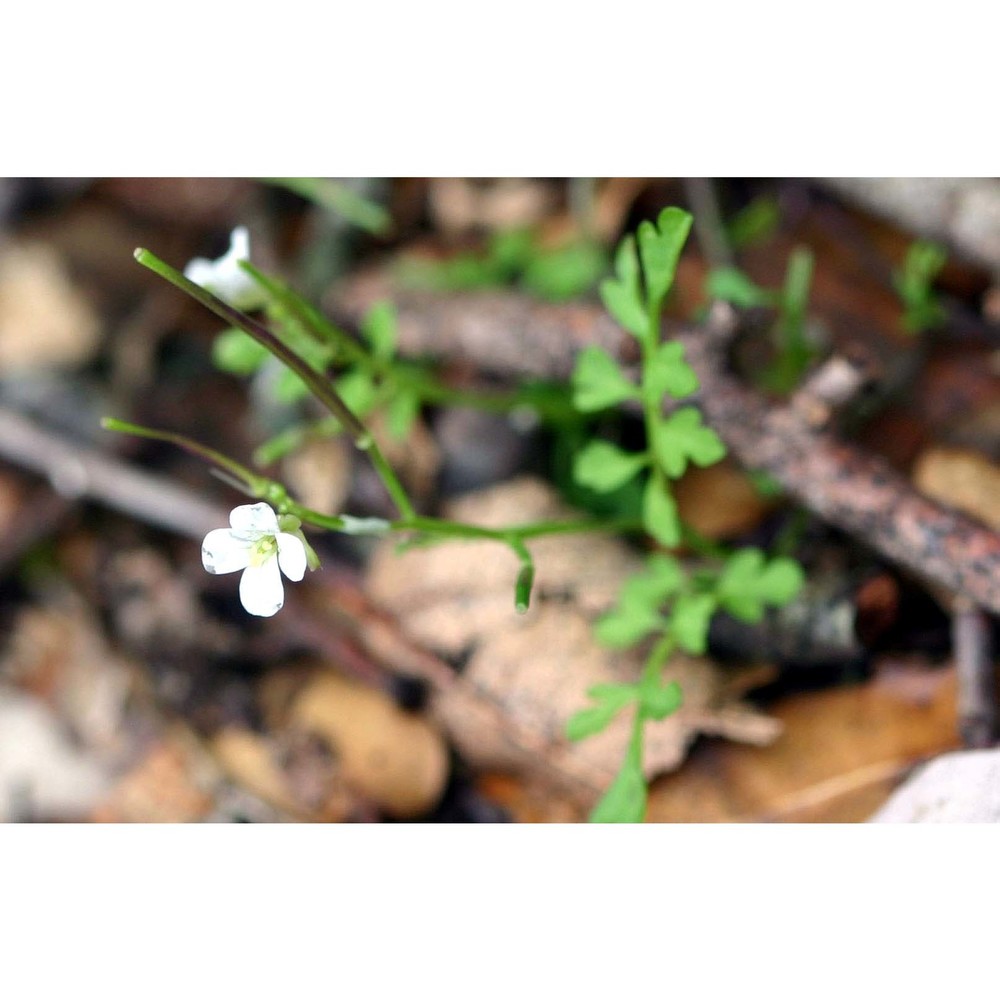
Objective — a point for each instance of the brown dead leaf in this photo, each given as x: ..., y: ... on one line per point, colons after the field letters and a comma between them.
x: 965, y: 480
x: 319, y: 473
x: 525, y: 675
x: 396, y: 759
x: 275, y: 774
x: 720, y: 501
x: 459, y: 204
x: 58, y: 652
x: 841, y: 753
x: 44, y: 320
x: 164, y: 787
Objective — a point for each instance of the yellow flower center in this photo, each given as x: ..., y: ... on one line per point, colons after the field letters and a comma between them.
x: 263, y: 550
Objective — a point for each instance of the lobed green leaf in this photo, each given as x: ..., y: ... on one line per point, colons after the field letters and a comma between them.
x: 598, y: 382
x: 660, y: 246
x: 659, y: 513
x: 604, y: 467
x: 380, y: 329
x: 622, y: 296
x: 689, y: 621
x: 669, y: 372
x: 682, y: 438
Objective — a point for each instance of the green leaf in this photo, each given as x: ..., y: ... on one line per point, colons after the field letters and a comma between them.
x: 381, y: 331
x: 617, y: 694
x: 660, y: 247
x: 622, y: 296
x: 598, y: 382
x: 612, y: 699
x: 659, y: 513
x: 798, y: 278
x: 659, y: 702
x: 647, y: 590
x: 288, y: 387
x: 625, y: 800
x: 731, y: 285
x: 358, y: 391
x: 755, y: 223
x: 340, y: 198
x: 914, y: 284
x: 669, y: 372
x: 689, y: 620
x: 238, y: 353
x: 566, y: 272
x: 512, y: 250
x: 683, y: 437
x: 748, y: 584
x: 589, y: 721
x: 403, y: 410
x: 624, y: 627
x: 604, y: 467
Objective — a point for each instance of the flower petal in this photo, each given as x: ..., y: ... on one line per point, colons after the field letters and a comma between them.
x: 261, y: 590
x: 291, y: 556
x: 239, y: 245
x: 225, y: 278
x: 223, y: 552
x: 252, y: 520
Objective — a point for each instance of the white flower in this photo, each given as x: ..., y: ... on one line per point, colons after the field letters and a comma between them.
x: 225, y: 278
x: 255, y: 544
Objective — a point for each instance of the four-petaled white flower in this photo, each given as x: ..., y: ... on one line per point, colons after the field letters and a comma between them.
x: 225, y: 278
x: 255, y: 544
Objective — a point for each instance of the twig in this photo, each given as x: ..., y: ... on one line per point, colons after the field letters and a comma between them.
x: 82, y: 473
x: 708, y: 225
x: 858, y: 492
x: 977, y: 694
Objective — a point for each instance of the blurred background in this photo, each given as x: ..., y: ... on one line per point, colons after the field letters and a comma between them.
x: 134, y: 687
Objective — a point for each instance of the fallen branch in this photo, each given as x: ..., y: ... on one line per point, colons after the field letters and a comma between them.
x: 512, y: 335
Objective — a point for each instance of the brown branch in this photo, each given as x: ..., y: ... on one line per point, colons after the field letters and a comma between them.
x: 973, y: 652
x: 512, y: 335
x: 78, y: 472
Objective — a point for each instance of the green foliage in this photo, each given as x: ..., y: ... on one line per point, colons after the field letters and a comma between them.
x: 692, y: 614
x: 748, y: 584
x: 611, y: 699
x: 659, y: 512
x: 638, y: 611
x: 668, y: 372
x: 732, y: 285
x: 681, y: 438
x: 755, y: 223
x: 625, y: 800
x: 603, y: 466
x: 663, y: 605
x: 622, y: 295
x: 794, y: 352
x: 663, y: 700
x: 914, y: 283
x: 598, y: 382
x: 515, y: 257
x: 238, y: 353
x: 660, y: 247
x: 380, y: 330
x: 337, y: 197
x: 565, y: 272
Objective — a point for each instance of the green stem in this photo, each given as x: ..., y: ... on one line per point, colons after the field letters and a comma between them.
x: 251, y: 480
x: 526, y: 576
x: 534, y: 529
x: 654, y: 662
x: 310, y: 317
x: 320, y: 386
